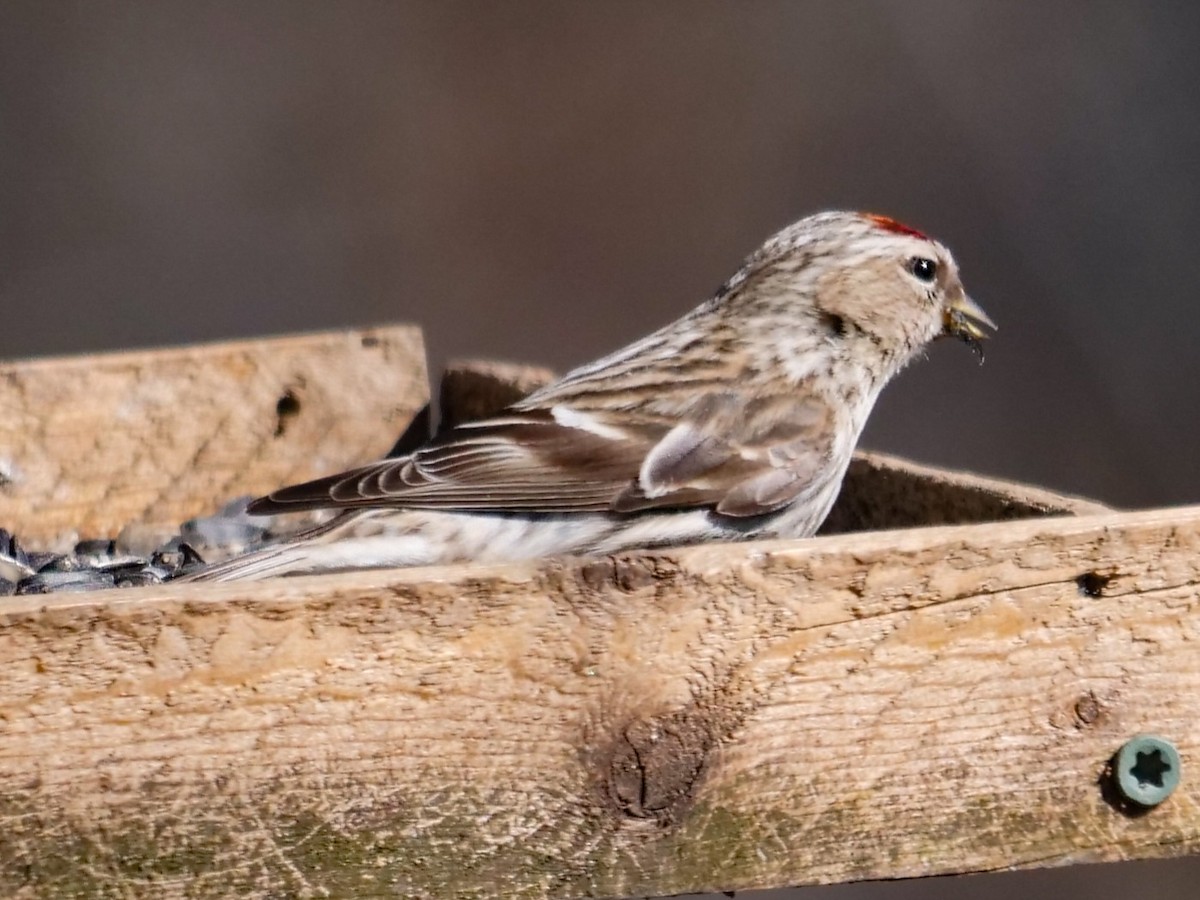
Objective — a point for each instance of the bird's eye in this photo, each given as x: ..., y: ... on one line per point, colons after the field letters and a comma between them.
x: 925, y: 269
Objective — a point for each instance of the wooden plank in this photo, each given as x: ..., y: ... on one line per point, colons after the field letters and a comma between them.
x: 882, y: 491
x: 90, y: 444
x: 877, y: 705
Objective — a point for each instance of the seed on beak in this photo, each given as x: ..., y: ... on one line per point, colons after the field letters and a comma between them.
x: 963, y: 319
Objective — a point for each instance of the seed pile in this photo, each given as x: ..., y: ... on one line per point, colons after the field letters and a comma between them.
x: 100, y: 564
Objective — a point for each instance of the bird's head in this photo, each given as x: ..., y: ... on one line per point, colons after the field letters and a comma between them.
x: 934, y: 276
x: 871, y: 288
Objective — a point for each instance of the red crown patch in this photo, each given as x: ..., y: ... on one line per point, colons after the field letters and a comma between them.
x: 890, y: 224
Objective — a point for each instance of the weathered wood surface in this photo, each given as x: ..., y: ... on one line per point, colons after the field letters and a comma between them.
x: 861, y: 706
x: 90, y: 444
x: 883, y: 491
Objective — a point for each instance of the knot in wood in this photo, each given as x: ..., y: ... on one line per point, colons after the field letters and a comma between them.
x: 625, y: 573
x: 1088, y: 710
x: 656, y: 764
x: 1092, y: 584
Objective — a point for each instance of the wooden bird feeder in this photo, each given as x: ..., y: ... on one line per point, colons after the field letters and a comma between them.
x: 942, y: 692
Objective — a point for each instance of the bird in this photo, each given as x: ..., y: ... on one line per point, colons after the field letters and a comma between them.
x: 735, y: 422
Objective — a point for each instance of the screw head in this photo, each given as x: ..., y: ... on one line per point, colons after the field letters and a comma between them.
x: 1147, y: 770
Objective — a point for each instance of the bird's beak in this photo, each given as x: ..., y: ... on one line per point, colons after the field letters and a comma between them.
x: 963, y: 318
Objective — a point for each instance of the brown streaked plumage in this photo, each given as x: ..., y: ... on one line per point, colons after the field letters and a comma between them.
x: 736, y: 421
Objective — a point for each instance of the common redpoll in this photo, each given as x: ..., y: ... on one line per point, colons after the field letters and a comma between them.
x: 735, y: 422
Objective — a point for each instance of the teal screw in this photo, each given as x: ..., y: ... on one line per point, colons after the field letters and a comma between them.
x: 1147, y: 770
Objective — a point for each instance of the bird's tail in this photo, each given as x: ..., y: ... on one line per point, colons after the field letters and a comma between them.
x: 258, y: 564
x: 360, y: 539
x: 289, y: 556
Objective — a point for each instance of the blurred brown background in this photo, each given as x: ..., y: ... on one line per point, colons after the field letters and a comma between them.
x: 545, y: 181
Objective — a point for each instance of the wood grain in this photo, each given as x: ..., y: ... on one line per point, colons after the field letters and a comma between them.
x: 883, y: 491
x: 90, y: 444
x: 877, y: 705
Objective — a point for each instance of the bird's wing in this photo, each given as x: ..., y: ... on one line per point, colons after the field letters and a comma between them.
x: 742, y: 459
x: 746, y: 459
x: 551, y: 460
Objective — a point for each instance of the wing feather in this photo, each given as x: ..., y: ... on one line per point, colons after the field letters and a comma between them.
x: 738, y: 458
x: 523, y: 461
x: 743, y: 459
